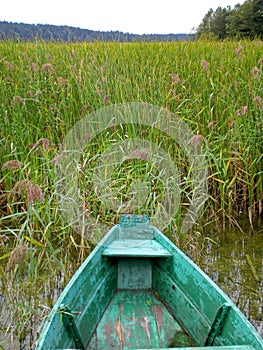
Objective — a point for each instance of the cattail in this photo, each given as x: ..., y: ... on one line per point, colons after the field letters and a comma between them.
x: 12, y: 165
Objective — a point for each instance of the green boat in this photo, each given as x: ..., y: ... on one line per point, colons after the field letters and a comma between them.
x: 137, y: 290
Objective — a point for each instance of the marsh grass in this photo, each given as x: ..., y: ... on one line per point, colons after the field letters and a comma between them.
x: 45, y: 88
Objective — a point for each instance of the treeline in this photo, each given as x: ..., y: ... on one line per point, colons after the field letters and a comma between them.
x: 22, y: 31
x: 243, y: 21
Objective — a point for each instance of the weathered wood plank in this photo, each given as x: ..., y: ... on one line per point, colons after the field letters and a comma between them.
x: 136, y: 248
x: 180, y: 305
x: 136, y: 319
x: 134, y: 274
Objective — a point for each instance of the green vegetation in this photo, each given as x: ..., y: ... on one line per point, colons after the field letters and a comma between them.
x: 45, y: 88
x: 243, y: 21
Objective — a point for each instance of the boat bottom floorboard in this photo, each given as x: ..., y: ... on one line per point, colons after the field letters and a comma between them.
x: 137, y: 320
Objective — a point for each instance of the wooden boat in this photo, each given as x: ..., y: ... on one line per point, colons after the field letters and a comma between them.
x: 137, y: 290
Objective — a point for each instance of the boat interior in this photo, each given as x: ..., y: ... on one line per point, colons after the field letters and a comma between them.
x: 136, y: 318
x: 138, y: 291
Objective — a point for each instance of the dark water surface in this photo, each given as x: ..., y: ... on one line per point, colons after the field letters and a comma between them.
x: 234, y: 260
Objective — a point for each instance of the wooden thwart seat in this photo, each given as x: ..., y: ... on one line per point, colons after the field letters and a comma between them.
x: 132, y: 248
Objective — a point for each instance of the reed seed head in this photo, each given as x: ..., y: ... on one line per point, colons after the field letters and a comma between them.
x: 31, y: 191
x: 204, y: 65
x: 259, y: 101
x: 175, y: 78
x: 45, y: 143
x: 48, y: 67
x: 12, y: 165
x: 238, y: 50
x: 34, y: 67
x: 139, y: 154
x: 255, y: 73
x: 105, y: 99
x: 242, y: 111
x: 16, y: 256
x: 20, y: 99
x: 8, y: 65
x: 195, y: 140
x: 56, y: 159
x: 100, y: 91
x: 211, y: 125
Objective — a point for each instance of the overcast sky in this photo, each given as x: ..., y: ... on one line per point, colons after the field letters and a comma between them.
x: 133, y: 16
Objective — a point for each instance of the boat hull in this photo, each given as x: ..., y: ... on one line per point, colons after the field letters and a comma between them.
x: 137, y: 290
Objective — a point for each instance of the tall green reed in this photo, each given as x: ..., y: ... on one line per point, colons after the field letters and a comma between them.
x: 45, y: 88
x: 215, y: 87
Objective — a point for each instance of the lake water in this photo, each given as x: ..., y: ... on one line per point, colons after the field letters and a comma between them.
x: 235, y: 263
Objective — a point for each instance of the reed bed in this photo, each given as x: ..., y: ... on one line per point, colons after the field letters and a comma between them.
x: 45, y: 88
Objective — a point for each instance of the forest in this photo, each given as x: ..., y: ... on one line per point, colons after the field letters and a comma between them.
x: 28, y: 32
x: 243, y: 21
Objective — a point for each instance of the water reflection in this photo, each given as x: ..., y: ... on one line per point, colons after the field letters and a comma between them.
x: 24, y: 307
x: 235, y: 263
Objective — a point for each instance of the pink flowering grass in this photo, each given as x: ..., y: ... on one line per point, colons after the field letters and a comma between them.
x: 12, y: 165
x: 27, y: 190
